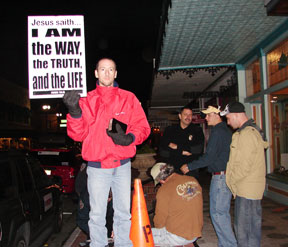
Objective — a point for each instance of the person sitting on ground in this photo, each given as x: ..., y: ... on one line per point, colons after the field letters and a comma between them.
x: 178, y: 216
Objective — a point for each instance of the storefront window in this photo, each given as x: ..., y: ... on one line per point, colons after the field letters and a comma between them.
x: 277, y: 64
x: 279, y: 129
x: 15, y: 143
x: 253, y: 78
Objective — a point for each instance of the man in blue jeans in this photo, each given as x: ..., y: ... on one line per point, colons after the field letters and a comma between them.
x: 246, y: 171
x: 83, y: 208
x: 216, y: 157
x: 107, y: 148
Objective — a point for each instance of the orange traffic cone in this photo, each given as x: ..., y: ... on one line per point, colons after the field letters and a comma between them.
x: 140, y: 233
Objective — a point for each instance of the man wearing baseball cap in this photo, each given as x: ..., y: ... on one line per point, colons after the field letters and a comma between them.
x: 245, y: 174
x: 216, y: 158
x: 178, y: 216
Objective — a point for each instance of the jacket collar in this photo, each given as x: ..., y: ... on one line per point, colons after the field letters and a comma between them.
x: 115, y: 84
x: 106, y: 93
x: 249, y: 122
x: 252, y: 123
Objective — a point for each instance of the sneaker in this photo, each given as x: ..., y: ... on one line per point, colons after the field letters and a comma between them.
x: 82, y: 244
x: 110, y: 242
x: 85, y: 243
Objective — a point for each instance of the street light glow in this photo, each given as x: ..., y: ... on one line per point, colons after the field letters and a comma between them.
x: 46, y: 107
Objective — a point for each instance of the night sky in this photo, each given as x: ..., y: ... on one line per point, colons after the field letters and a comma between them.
x: 126, y: 31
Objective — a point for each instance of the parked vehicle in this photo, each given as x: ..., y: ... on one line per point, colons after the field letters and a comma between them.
x: 30, y: 201
x: 59, y: 162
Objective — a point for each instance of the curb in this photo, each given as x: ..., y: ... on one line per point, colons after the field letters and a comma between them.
x: 72, y: 237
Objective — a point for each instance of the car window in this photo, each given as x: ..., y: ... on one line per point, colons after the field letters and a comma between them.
x: 8, y: 187
x: 24, y: 174
x: 40, y: 177
x: 21, y: 183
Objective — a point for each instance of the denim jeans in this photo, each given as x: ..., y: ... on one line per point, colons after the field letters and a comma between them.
x: 247, y: 223
x: 162, y: 237
x: 220, y: 200
x: 99, y: 182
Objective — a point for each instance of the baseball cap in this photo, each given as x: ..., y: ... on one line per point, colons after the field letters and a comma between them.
x: 234, y: 107
x: 211, y: 109
x: 155, y: 171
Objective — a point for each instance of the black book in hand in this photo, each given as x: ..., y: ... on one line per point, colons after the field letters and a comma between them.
x: 122, y: 125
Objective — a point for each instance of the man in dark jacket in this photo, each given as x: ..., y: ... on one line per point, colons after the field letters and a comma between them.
x: 216, y: 158
x: 182, y: 143
x: 83, y: 207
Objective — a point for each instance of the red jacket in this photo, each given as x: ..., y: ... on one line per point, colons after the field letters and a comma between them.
x: 101, y: 105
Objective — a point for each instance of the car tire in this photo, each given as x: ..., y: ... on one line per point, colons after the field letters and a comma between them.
x: 20, y: 242
x: 58, y: 220
x: 22, y: 236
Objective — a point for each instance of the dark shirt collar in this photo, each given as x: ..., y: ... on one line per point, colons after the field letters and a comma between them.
x: 219, y: 124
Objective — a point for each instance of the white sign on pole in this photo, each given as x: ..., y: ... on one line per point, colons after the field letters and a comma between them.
x: 56, y: 54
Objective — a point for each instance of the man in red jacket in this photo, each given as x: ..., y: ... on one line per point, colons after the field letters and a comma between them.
x: 108, y: 148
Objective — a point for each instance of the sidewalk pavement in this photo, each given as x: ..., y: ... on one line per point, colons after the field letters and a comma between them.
x: 274, y: 223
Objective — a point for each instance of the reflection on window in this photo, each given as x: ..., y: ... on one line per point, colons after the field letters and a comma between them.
x: 277, y: 64
x: 25, y: 174
x: 7, y: 187
x: 253, y: 78
x: 39, y: 175
x: 279, y: 128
